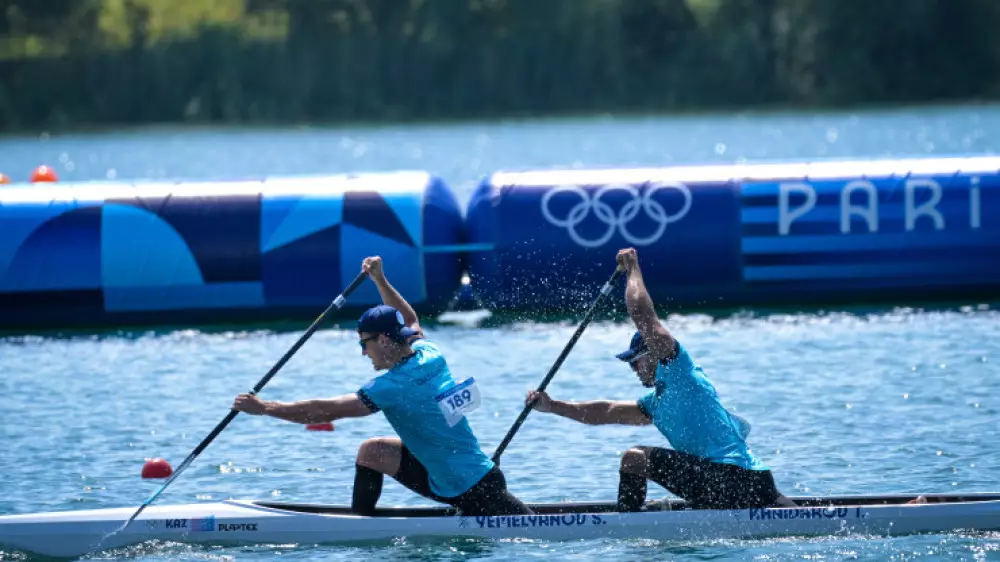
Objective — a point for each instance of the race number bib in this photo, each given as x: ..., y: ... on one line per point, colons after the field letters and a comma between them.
x: 458, y: 401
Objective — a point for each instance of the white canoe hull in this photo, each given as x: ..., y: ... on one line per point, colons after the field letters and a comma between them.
x: 73, y: 533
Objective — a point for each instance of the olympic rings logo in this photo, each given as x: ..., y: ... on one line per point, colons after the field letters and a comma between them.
x: 616, y: 222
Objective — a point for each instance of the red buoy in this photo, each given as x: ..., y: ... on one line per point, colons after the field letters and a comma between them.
x: 4, y: 179
x: 44, y: 173
x: 320, y: 427
x: 156, y: 468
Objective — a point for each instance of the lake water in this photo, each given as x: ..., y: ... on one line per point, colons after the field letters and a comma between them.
x: 875, y: 401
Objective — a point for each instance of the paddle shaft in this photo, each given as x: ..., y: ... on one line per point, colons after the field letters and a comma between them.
x: 605, y: 290
x: 335, y: 304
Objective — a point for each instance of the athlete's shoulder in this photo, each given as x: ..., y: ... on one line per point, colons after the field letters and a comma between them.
x: 647, y: 403
x: 380, y: 391
x: 677, y: 352
x: 678, y: 365
x: 384, y: 381
x: 680, y: 355
x: 422, y: 343
x: 426, y: 348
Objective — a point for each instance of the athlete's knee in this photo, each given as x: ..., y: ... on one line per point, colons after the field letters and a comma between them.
x: 496, y: 503
x: 490, y: 496
x: 635, y: 461
x: 518, y: 507
x: 381, y: 454
x: 784, y: 501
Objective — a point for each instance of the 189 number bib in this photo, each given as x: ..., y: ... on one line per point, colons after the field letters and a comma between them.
x: 458, y: 400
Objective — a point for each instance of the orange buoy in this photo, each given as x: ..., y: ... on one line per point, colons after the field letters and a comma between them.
x: 320, y: 427
x: 44, y: 173
x: 156, y: 468
x: 4, y: 179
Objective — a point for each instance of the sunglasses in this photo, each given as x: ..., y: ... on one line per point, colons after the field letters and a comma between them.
x: 638, y: 356
x: 363, y: 342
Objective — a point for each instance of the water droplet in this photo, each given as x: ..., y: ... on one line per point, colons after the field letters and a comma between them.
x: 906, y: 396
x: 720, y: 148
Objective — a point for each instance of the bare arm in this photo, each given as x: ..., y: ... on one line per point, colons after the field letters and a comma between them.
x: 389, y: 294
x: 641, y: 311
x: 594, y: 412
x: 304, y: 411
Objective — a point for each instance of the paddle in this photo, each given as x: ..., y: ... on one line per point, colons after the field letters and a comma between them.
x: 335, y: 304
x: 559, y: 361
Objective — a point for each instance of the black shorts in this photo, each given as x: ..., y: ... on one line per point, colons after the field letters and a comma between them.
x: 489, y: 496
x: 707, y: 484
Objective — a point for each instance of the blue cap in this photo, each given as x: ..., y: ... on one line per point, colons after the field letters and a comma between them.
x: 384, y: 319
x: 636, y: 348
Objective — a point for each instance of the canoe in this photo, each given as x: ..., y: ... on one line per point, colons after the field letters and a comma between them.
x: 245, y: 522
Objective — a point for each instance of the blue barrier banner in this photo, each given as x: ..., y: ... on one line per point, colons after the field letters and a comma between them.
x: 102, y: 253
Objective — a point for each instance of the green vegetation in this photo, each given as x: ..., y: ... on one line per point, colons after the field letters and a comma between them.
x: 115, y: 62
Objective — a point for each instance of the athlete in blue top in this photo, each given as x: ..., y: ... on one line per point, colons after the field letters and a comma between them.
x: 710, y: 464
x: 436, y: 454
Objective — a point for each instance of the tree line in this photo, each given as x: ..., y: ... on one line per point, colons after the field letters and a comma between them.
x: 67, y: 63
